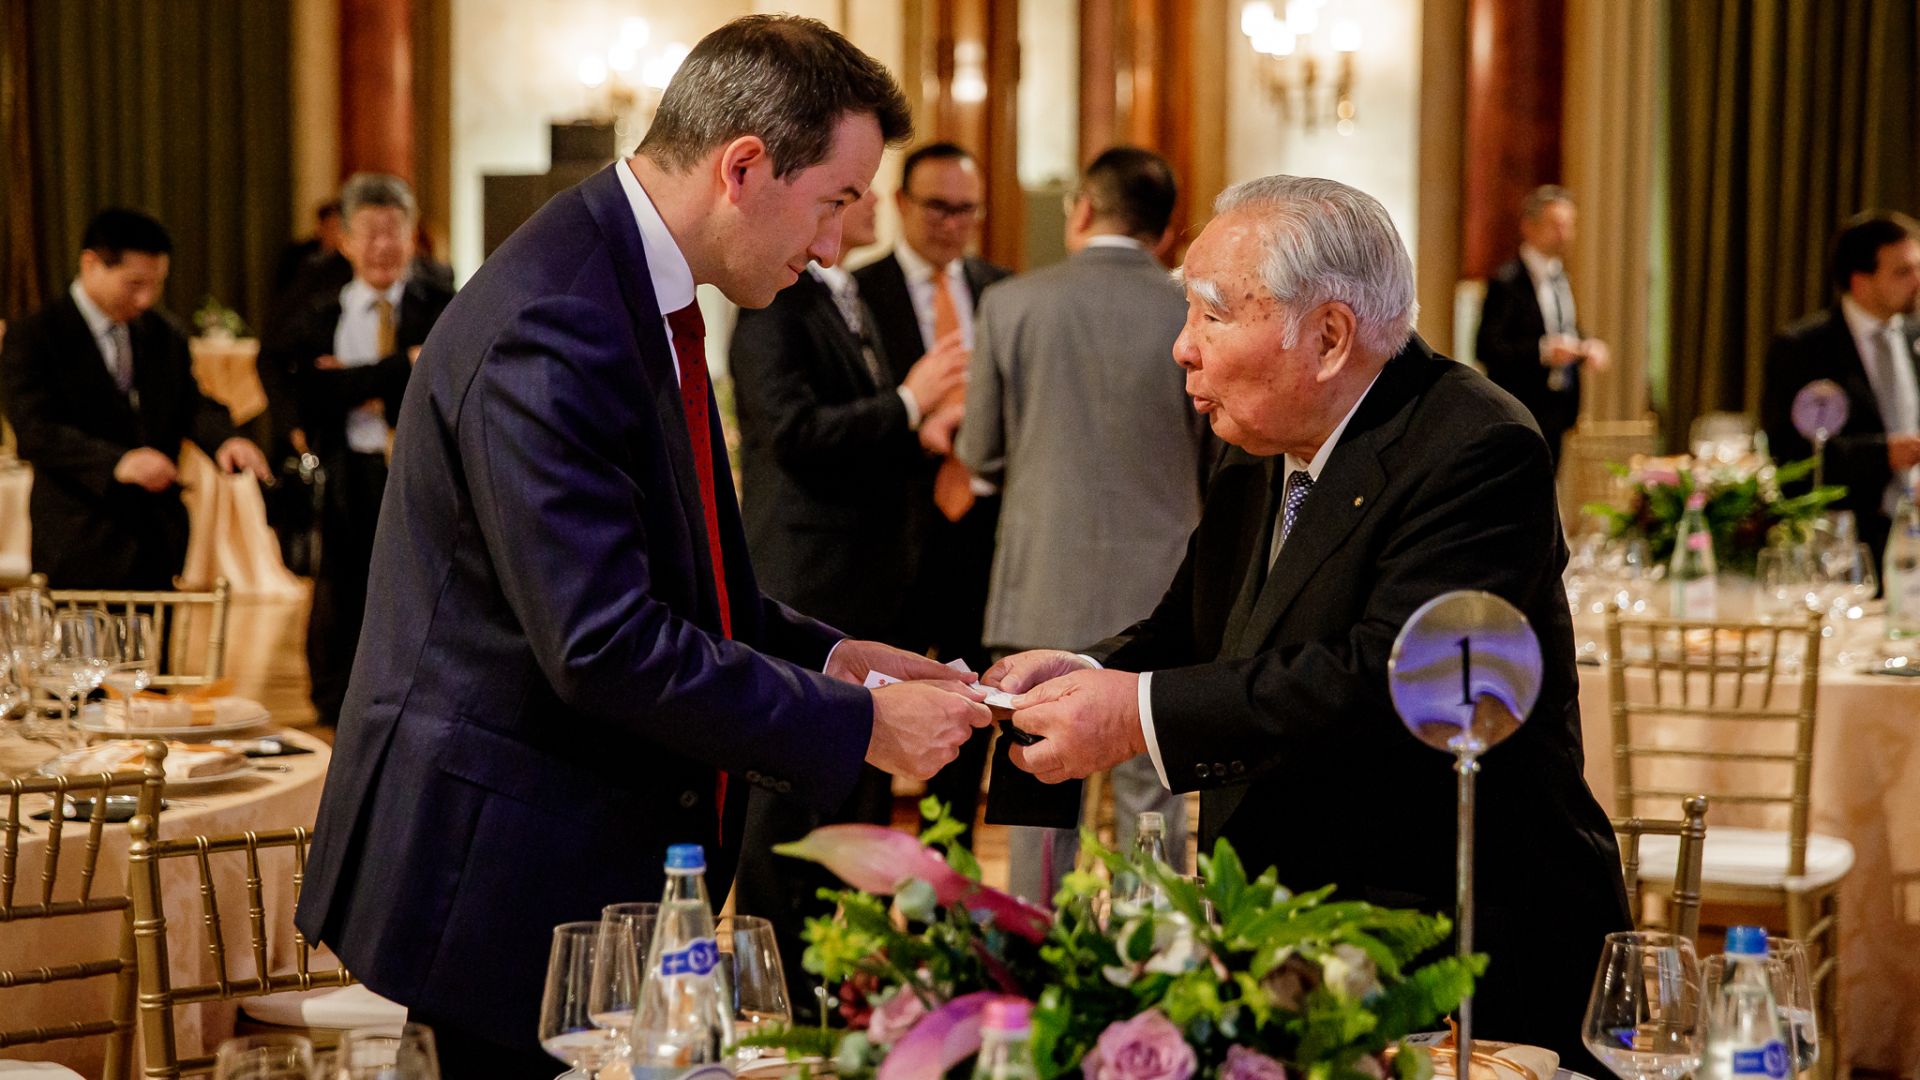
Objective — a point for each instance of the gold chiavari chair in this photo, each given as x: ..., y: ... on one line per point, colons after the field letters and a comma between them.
x: 50, y: 901
x: 1665, y: 675
x: 1690, y: 834
x: 192, y: 627
x: 158, y: 996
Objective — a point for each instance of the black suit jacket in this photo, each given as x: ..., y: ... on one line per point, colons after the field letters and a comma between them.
x: 1270, y: 695
x: 1508, y: 344
x: 543, y: 698
x: 1821, y: 347
x: 883, y: 285
x: 835, y: 488
x: 318, y: 401
x: 73, y: 426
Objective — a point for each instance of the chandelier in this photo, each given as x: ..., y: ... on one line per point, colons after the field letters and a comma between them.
x: 1296, y: 51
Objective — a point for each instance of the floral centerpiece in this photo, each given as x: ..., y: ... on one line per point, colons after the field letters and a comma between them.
x: 1233, y: 979
x: 216, y: 320
x: 1746, y: 509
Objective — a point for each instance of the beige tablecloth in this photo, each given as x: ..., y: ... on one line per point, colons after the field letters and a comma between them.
x: 265, y: 800
x: 1866, y: 789
x: 228, y: 533
x: 227, y: 370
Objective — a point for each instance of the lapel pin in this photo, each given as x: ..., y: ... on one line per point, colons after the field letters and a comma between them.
x: 1358, y: 499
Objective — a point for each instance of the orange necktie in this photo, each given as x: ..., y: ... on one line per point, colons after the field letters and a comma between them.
x: 953, y: 484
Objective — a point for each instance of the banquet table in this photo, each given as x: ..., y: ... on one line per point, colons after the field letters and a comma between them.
x: 260, y: 801
x: 1866, y: 790
x: 227, y: 369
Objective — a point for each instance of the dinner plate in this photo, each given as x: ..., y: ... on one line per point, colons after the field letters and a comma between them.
x: 58, y: 766
x: 93, y: 719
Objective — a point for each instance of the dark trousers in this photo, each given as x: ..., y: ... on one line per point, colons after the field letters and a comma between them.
x: 467, y: 1056
x: 351, y: 510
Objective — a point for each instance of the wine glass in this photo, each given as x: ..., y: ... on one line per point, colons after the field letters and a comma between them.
x: 86, y: 645
x: 264, y: 1057
x: 1785, y: 582
x: 751, y: 956
x: 1850, y: 573
x: 1644, y: 1018
x: 382, y: 1054
x: 620, y: 964
x: 567, y: 1027
x: 138, y: 659
x: 27, y: 614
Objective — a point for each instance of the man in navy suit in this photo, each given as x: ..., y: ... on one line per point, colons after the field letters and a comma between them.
x: 567, y: 662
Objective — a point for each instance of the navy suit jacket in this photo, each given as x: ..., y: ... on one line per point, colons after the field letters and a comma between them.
x: 542, y: 698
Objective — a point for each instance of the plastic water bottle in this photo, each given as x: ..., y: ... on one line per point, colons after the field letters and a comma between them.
x: 683, y: 1025
x: 1745, y: 1040
x: 1150, y: 845
x: 1901, y: 575
x: 1006, y: 1043
x: 1694, y: 576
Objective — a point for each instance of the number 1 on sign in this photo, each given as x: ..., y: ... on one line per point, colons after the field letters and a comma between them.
x: 1466, y: 670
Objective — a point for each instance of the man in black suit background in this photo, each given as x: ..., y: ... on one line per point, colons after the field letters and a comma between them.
x: 1369, y: 476
x: 99, y: 388
x: 336, y: 370
x: 1529, y: 339
x: 1869, y: 343
x: 923, y: 296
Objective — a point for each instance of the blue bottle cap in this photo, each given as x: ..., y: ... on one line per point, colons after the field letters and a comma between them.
x: 686, y: 857
x: 1746, y: 941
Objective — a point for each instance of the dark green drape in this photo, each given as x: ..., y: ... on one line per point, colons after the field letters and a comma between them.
x: 1786, y: 117
x: 175, y: 107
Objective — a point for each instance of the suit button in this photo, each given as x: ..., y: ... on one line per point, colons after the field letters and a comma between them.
x: 1200, y: 770
x: 689, y: 800
x: 1220, y: 769
x: 783, y: 787
x: 1239, y: 767
x: 753, y: 777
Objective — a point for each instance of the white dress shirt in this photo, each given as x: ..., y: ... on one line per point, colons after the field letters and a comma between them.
x: 356, y: 343
x: 673, y: 286
x: 1551, y: 290
x: 1292, y: 464
x: 111, y: 338
x: 1895, y: 392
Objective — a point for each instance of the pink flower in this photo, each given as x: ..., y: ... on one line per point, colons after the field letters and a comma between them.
x: 876, y: 859
x: 1245, y: 1064
x: 895, y: 1017
x: 1147, y: 1047
x: 942, y: 1039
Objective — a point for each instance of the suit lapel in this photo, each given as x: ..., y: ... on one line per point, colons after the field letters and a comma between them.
x: 86, y: 371
x: 884, y: 285
x: 1261, y: 524
x: 1850, y: 371
x: 824, y: 310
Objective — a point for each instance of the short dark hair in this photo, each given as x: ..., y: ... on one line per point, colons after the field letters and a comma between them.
x: 786, y: 79
x: 933, y: 151
x: 365, y: 189
x: 1542, y: 197
x: 330, y: 208
x: 116, y: 230
x: 1131, y: 188
x: 1856, y: 248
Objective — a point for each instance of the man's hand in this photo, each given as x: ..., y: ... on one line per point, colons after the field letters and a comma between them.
x: 413, y: 355
x: 240, y: 455
x: 1087, y: 721
x: 1560, y: 350
x: 920, y: 726
x: 1903, y: 451
x: 329, y: 362
x: 937, y: 430
x: 939, y: 373
x: 1021, y: 672
x: 1597, y: 354
x: 853, y: 659
x: 145, y: 467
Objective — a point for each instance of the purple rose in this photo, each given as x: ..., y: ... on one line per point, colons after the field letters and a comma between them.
x: 1245, y: 1064
x: 1147, y: 1047
x: 894, y: 1017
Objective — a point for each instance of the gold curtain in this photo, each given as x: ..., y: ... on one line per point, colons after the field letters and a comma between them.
x: 179, y: 109
x: 1785, y: 118
x: 19, y: 262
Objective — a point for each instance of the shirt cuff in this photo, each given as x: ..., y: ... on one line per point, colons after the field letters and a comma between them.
x: 828, y: 662
x: 913, y: 406
x: 1146, y: 728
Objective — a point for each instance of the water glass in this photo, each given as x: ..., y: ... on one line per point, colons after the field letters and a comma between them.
x: 383, y: 1054
x: 751, y: 957
x: 1788, y: 978
x: 86, y: 645
x: 567, y: 1028
x: 620, y: 963
x: 1644, y: 1018
x: 264, y: 1057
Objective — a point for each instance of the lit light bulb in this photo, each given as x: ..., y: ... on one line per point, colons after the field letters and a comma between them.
x: 1275, y: 40
x: 1303, y: 16
x: 592, y: 71
x: 658, y: 72
x: 634, y: 33
x: 1346, y: 36
x: 1255, y: 17
x: 622, y: 58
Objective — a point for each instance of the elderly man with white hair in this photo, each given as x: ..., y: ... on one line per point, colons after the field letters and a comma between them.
x: 1368, y: 476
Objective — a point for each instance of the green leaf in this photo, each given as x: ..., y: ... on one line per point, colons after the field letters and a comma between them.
x: 1412, y: 1063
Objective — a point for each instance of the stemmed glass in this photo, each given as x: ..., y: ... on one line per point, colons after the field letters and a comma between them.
x: 264, y: 1057
x: 620, y: 964
x: 138, y: 659
x: 381, y: 1054
x: 86, y: 646
x: 567, y: 1028
x: 1851, y: 582
x: 751, y: 956
x: 1644, y: 1017
x: 27, y: 613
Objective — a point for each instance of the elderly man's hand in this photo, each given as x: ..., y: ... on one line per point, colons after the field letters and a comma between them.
x: 920, y: 726
x: 1023, y: 671
x: 1087, y: 721
x: 853, y: 659
x: 240, y: 455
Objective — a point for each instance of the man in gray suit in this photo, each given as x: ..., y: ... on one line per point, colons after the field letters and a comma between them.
x: 1077, y: 411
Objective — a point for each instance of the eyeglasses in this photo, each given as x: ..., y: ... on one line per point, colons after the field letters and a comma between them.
x: 946, y: 211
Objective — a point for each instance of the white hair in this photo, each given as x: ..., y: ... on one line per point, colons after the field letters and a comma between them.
x: 1326, y: 241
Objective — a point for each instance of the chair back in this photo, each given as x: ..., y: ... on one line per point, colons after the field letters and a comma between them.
x: 158, y: 996
x: 1683, y: 904
x: 1749, y: 737
x: 192, y: 627
x: 81, y: 893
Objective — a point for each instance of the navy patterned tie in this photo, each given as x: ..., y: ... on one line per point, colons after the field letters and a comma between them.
x: 1299, y: 483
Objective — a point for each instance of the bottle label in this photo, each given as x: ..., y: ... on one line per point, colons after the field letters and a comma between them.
x: 1699, y: 541
x: 1698, y: 599
x: 698, y: 958
x: 1769, y: 1061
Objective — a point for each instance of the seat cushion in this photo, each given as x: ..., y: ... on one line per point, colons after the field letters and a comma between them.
x: 1750, y: 857
x: 38, y: 1070
x: 340, y: 1008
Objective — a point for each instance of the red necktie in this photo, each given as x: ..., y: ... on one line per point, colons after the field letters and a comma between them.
x: 690, y: 346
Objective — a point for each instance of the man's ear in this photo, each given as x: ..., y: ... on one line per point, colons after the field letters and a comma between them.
x: 743, y: 162
x: 1338, y: 330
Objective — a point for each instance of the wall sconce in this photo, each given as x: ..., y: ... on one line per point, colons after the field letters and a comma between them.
x: 1292, y: 51
x: 624, y: 83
